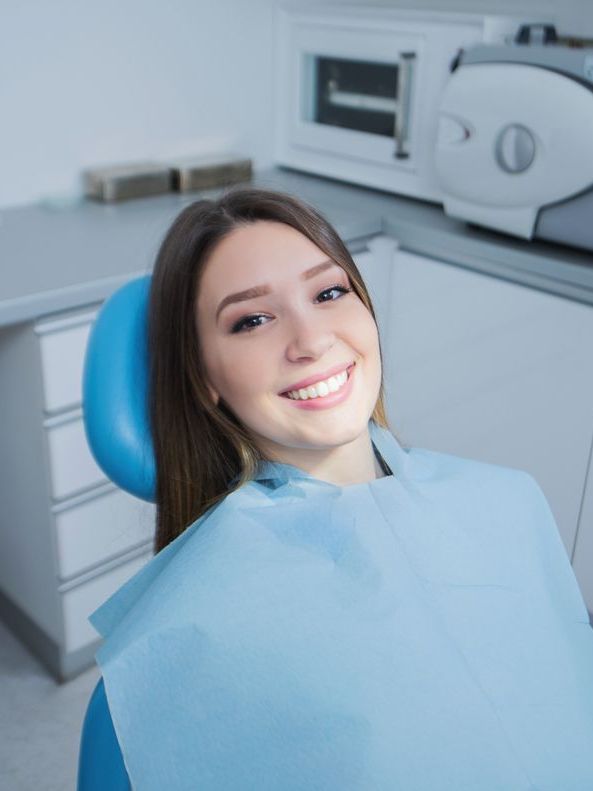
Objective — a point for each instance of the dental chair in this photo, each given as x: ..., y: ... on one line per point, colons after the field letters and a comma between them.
x: 115, y: 387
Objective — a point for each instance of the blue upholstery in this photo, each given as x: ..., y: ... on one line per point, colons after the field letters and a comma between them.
x: 118, y: 432
x: 114, y: 390
x: 100, y: 766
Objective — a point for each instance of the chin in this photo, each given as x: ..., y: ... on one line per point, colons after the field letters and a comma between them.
x: 341, y: 429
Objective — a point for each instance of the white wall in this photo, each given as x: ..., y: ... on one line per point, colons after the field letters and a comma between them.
x: 89, y: 83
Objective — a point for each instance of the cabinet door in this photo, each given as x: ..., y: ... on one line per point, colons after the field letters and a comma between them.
x: 488, y: 369
x: 375, y: 265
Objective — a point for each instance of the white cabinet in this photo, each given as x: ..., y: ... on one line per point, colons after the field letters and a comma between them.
x: 492, y: 370
x: 68, y: 537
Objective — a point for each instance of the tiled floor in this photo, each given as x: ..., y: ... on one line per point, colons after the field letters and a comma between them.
x: 40, y: 721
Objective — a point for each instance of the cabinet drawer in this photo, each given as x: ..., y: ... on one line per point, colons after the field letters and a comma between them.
x: 72, y: 466
x: 79, y: 602
x: 62, y: 344
x: 92, y: 532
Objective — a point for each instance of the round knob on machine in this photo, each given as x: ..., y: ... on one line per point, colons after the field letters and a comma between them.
x: 514, y: 148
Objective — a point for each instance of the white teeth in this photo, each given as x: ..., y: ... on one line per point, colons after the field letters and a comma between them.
x: 320, y: 389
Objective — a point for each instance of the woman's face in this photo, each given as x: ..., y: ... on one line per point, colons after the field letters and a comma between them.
x: 305, y: 325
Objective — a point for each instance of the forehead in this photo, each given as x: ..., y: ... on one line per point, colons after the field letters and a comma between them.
x: 257, y: 253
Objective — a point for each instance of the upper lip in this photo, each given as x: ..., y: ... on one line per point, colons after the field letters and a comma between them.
x: 311, y: 380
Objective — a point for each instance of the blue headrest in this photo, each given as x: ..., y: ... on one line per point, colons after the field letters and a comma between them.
x: 115, y: 390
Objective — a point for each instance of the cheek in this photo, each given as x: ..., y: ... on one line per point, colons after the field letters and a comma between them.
x: 229, y: 369
x: 363, y: 328
x: 236, y: 370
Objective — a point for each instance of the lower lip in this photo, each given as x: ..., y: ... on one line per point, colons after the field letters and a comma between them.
x: 325, y: 402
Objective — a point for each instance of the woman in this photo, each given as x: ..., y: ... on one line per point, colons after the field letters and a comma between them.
x: 218, y: 388
x: 327, y: 610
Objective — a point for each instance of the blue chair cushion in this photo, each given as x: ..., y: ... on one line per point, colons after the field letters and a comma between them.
x: 101, y: 765
x: 115, y: 390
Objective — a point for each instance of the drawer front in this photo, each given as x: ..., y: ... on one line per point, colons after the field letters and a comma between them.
x: 72, y: 466
x: 63, y: 344
x: 79, y: 602
x: 99, y: 529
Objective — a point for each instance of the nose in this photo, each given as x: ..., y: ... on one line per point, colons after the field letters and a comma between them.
x: 310, y: 335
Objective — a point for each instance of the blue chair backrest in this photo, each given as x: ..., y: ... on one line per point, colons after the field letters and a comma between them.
x: 116, y: 419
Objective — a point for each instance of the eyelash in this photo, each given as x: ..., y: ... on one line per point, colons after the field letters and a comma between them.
x: 236, y: 328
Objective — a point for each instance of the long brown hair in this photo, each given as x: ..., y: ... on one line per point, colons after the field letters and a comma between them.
x: 201, y: 447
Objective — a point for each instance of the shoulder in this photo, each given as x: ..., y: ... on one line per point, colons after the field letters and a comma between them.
x: 225, y: 541
x: 122, y: 604
x: 453, y: 471
x: 490, y: 500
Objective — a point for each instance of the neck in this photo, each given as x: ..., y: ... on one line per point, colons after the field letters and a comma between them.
x: 343, y: 464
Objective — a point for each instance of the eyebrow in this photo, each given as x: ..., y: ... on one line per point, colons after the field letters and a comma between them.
x: 260, y: 291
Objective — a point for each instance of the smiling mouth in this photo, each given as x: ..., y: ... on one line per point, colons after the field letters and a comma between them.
x: 348, y: 370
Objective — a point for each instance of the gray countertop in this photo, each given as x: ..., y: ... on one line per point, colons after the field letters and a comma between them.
x: 54, y: 259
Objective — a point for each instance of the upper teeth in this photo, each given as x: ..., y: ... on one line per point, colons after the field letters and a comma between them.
x: 320, y: 389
